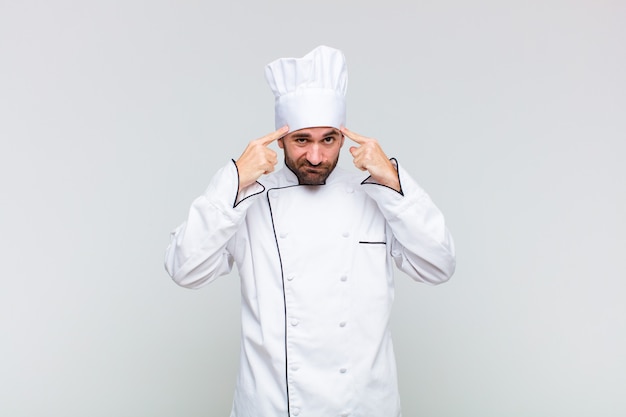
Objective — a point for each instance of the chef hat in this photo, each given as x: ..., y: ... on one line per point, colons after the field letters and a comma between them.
x: 309, y: 91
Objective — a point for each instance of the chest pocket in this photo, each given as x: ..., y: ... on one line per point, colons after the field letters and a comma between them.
x: 372, y: 227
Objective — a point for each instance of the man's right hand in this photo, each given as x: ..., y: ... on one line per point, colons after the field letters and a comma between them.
x: 257, y: 159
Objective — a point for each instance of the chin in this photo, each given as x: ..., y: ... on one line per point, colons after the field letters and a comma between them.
x: 317, y: 182
x: 312, y: 180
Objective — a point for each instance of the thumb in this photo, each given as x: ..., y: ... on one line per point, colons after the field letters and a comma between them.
x: 353, y: 150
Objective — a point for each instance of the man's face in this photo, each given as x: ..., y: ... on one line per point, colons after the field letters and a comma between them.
x: 312, y: 153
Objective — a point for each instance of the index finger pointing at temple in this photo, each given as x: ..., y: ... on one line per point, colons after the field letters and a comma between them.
x: 277, y: 134
x: 353, y: 136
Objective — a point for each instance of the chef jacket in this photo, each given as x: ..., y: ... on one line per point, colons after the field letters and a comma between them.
x: 315, y: 264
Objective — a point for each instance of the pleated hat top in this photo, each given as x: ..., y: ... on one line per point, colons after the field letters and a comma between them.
x: 309, y: 91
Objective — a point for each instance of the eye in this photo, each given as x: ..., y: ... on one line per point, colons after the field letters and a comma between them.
x: 301, y: 140
x: 329, y: 139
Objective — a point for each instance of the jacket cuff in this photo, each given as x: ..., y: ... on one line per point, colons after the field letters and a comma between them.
x: 249, y: 191
x: 371, y: 181
x: 222, y: 192
x: 390, y: 199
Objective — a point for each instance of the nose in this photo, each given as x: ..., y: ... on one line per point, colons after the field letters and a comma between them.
x: 314, y: 155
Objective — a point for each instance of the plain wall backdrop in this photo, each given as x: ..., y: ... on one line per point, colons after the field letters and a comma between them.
x: 115, y: 114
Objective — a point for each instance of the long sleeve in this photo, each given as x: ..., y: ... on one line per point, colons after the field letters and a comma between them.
x: 421, y: 244
x: 197, y: 251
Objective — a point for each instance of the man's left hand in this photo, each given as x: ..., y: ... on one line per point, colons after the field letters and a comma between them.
x: 369, y: 156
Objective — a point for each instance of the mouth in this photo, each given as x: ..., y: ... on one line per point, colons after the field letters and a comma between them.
x: 315, y: 170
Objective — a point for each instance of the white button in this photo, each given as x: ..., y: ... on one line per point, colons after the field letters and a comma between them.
x: 349, y: 190
x: 346, y: 414
x: 345, y: 234
x: 274, y: 195
x: 290, y: 277
x: 342, y: 324
x: 283, y: 235
x: 294, y: 322
x: 343, y: 370
x: 295, y: 411
x: 344, y: 278
x: 295, y: 367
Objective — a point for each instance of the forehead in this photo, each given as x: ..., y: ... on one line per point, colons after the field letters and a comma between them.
x: 313, y: 132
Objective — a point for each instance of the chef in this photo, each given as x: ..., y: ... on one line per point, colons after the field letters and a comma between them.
x: 314, y: 246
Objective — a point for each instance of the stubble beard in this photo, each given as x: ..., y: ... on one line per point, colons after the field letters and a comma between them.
x: 309, y: 174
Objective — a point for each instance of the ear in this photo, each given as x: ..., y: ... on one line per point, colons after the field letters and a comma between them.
x: 343, y: 138
x: 280, y: 143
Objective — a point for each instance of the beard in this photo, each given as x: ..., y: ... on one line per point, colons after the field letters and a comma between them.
x: 309, y: 174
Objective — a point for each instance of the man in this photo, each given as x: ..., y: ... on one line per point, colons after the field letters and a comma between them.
x: 314, y: 246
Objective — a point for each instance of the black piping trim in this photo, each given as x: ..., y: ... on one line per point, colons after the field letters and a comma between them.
x: 282, y: 277
x: 372, y: 243
x: 382, y: 185
x: 235, y: 203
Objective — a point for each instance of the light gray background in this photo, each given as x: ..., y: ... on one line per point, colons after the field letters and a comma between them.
x: 115, y: 114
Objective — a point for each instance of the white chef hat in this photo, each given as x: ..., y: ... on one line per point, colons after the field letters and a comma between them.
x: 309, y: 91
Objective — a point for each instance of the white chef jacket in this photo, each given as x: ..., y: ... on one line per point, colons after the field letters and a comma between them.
x: 315, y: 264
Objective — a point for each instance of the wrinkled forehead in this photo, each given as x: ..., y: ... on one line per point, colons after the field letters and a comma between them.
x: 313, y: 132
